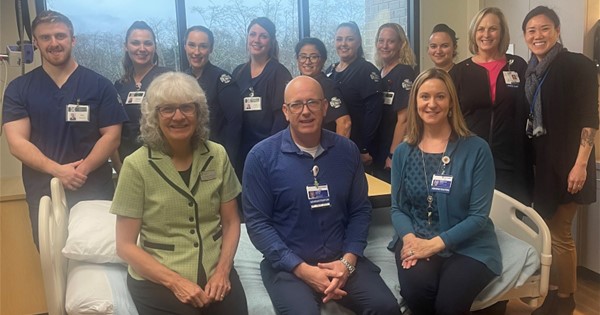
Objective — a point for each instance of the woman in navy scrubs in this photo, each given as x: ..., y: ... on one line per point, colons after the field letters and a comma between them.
x: 361, y: 88
x: 262, y: 81
x: 140, y: 66
x: 396, y: 60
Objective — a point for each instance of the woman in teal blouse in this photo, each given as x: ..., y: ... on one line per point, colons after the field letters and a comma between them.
x: 442, y: 189
x: 178, y: 194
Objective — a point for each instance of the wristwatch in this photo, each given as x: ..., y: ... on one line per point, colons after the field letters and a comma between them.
x: 349, y: 266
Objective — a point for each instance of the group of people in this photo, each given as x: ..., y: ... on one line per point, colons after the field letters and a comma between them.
x: 445, y: 140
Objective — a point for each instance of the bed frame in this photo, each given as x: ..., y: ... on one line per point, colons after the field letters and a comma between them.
x: 507, y: 213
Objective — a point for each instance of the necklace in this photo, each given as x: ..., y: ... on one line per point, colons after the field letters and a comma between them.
x: 443, y: 162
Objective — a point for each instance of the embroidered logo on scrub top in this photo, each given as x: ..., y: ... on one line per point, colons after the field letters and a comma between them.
x: 335, y: 102
x: 225, y: 78
x: 407, y: 84
x: 374, y: 76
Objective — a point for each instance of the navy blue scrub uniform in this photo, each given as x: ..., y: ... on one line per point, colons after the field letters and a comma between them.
x: 337, y: 107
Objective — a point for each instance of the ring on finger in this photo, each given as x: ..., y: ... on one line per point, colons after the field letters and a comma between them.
x: 411, y: 252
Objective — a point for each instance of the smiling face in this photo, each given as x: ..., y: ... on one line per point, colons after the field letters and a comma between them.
x: 441, y: 49
x: 541, y: 35
x: 305, y: 126
x: 433, y: 102
x: 177, y: 127
x: 346, y: 44
x: 55, y: 42
x: 488, y: 34
x: 388, y: 45
x: 258, y: 41
x: 197, y: 49
x: 310, y: 61
x: 140, y: 47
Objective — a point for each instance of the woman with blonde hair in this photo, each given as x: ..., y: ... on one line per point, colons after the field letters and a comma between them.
x: 442, y: 189
x: 395, y: 58
x: 490, y: 87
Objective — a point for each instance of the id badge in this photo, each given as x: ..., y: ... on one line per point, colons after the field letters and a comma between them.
x: 388, y: 98
x: 318, y: 196
x: 511, y: 78
x: 252, y: 103
x: 207, y: 175
x: 78, y: 113
x: 135, y: 97
x: 441, y: 183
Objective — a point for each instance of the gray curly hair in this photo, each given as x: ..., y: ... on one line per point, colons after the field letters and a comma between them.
x: 172, y: 88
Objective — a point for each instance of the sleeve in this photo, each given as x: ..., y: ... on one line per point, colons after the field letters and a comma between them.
x: 359, y: 210
x: 282, y: 77
x: 337, y: 106
x: 111, y: 108
x: 370, y: 92
x: 257, y: 201
x: 230, y: 102
x: 480, y: 201
x: 401, y: 89
x: 130, y: 192
x: 13, y: 106
x: 231, y: 187
x: 401, y: 220
x: 585, y: 92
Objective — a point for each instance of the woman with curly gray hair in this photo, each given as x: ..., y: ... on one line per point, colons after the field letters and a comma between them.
x: 178, y: 193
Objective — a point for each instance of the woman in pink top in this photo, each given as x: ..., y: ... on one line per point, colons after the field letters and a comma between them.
x: 490, y: 87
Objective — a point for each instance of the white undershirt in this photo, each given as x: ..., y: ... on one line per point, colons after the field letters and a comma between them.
x: 314, y: 151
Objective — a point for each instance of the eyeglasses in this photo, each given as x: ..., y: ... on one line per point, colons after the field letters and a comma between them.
x: 298, y: 107
x: 168, y: 111
x: 312, y: 58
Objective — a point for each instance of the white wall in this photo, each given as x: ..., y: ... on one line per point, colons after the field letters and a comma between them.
x: 10, y: 166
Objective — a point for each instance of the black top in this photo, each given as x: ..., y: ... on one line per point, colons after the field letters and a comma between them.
x: 501, y: 123
x: 225, y: 106
x: 131, y: 129
x: 269, y: 86
x: 361, y: 88
x: 337, y: 108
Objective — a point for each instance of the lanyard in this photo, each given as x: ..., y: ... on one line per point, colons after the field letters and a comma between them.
x: 535, y: 95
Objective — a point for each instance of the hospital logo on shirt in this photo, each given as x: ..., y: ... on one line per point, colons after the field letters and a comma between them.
x: 335, y: 102
x: 407, y: 84
x: 375, y: 76
x: 225, y: 78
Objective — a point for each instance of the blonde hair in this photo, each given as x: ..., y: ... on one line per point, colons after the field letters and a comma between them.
x: 406, y: 56
x: 414, y: 129
x: 504, y: 33
x: 172, y: 88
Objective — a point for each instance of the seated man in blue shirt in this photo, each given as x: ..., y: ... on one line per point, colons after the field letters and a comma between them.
x: 306, y: 209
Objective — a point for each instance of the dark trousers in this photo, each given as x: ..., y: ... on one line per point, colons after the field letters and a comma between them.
x: 442, y: 285
x: 154, y: 299
x: 367, y: 293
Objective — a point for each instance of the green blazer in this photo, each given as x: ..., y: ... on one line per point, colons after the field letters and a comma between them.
x: 181, y: 225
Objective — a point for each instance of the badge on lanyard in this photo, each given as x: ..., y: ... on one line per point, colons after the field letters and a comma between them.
x: 441, y: 183
x: 78, y: 113
x: 135, y: 97
x: 251, y: 102
x: 388, y: 98
x: 511, y: 78
x: 318, y: 196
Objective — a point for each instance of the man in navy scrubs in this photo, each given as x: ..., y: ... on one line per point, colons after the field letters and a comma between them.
x: 306, y: 209
x: 62, y: 120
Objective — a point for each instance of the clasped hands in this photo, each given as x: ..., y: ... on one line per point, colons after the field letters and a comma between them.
x: 415, y: 248
x: 326, y: 278
x: 217, y: 287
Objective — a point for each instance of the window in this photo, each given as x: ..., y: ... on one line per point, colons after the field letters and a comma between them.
x: 100, y: 28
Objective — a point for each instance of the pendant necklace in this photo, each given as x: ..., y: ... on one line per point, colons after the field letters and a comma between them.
x: 443, y: 162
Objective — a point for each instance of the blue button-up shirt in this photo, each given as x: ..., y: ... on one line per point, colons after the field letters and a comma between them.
x: 279, y: 219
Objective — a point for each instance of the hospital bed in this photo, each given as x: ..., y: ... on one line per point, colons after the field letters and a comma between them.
x: 93, y: 279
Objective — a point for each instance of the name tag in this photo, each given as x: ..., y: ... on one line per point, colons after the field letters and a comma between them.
x: 78, y: 113
x: 207, y: 175
x: 318, y: 196
x: 388, y: 98
x: 135, y: 98
x: 441, y: 183
x: 511, y: 78
x: 252, y: 103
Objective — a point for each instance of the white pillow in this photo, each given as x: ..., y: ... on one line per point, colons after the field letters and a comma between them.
x: 92, y: 233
